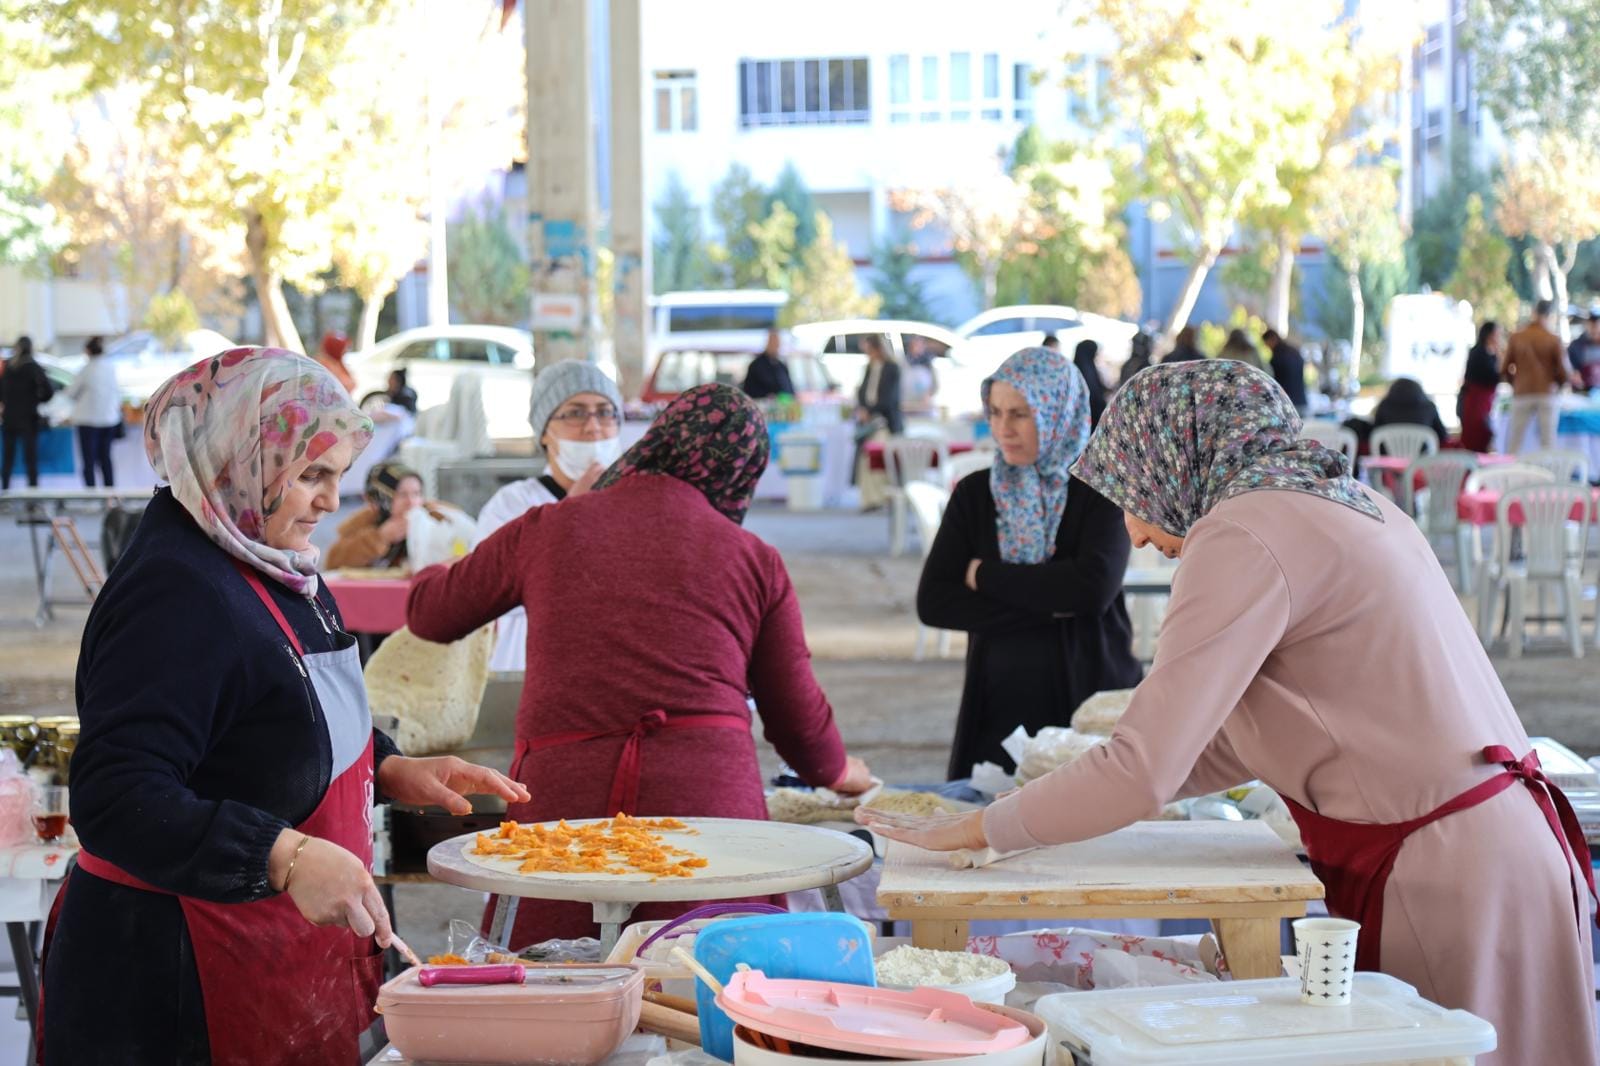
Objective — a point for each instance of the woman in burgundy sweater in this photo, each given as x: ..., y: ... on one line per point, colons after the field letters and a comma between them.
x: 651, y: 617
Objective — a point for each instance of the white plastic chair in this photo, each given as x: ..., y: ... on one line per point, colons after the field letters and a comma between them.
x: 1404, y: 440
x: 1435, y: 507
x: 927, y: 502
x: 1567, y: 466
x: 968, y: 463
x: 1552, y: 542
x: 908, y: 459
x: 1333, y: 435
x: 1501, y: 478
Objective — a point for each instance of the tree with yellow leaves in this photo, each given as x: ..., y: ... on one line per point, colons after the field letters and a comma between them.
x: 1549, y: 191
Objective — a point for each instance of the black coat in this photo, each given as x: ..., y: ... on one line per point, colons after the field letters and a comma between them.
x: 1289, y: 371
x: 1043, y: 637
x: 200, y: 744
x: 887, y: 406
x: 767, y: 376
x: 23, y: 387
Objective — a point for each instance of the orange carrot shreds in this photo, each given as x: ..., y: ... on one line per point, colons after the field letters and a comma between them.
x: 620, y: 845
x: 448, y: 960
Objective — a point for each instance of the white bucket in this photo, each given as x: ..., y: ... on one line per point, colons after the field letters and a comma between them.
x: 991, y: 990
x: 1029, y: 1054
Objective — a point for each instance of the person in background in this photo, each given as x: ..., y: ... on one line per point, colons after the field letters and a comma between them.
x: 330, y: 356
x: 878, y: 417
x: 1185, y: 347
x: 920, y: 383
x: 1139, y: 350
x: 375, y: 536
x: 1083, y: 357
x: 1288, y: 369
x: 652, y: 616
x: 1584, y: 352
x: 1407, y: 404
x: 1051, y: 342
x: 1476, y: 399
x: 96, y: 412
x: 576, y: 419
x: 1238, y: 348
x: 1536, y: 366
x: 1030, y: 561
x: 768, y: 376
x: 24, y: 388
x: 400, y: 393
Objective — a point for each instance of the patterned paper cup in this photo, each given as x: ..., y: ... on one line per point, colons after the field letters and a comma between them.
x: 1327, y: 951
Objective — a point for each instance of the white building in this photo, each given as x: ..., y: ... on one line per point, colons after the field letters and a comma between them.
x: 1440, y: 87
x: 863, y: 99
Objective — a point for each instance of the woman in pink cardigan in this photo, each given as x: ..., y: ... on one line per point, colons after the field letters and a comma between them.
x: 1313, y: 641
x: 652, y: 617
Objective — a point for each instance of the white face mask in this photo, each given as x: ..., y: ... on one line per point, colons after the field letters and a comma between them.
x: 573, y: 457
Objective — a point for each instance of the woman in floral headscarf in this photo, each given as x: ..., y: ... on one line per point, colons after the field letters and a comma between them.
x: 651, y: 617
x: 224, y: 780
x: 1029, y: 561
x: 1314, y: 642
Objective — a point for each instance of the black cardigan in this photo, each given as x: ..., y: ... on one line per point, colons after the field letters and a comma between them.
x: 1044, y: 637
x: 200, y: 744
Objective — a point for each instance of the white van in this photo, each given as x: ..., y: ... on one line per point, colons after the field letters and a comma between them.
x: 713, y: 321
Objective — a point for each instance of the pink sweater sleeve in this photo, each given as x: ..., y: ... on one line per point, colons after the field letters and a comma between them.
x: 795, y: 715
x: 1229, y: 608
x: 448, y: 602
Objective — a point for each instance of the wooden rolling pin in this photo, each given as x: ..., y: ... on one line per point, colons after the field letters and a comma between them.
x: 677, y: 1003
x: 655, y: 1018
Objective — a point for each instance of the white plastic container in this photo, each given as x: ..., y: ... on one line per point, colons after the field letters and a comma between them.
x: 1030, y: 1054
x: 1260, y: 1023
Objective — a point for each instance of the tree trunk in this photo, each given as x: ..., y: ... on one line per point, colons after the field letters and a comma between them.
x: 1543, y: 259
x: 991, y: 283
x: 1281, y: 295
x: 1558, y: 278
x: 367, y: 332
x: 1190, y: 293
x: 277, y: 325
x: 1358, y: 321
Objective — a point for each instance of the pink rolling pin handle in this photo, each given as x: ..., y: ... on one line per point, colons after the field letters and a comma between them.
x: 505, y: 974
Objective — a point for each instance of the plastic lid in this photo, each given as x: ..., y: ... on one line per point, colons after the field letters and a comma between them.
x: 1255, y: 1023
x: 923, y: 1024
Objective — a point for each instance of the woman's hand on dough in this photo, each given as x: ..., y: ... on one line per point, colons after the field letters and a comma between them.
x: 934, y: 832
x: 445, y: 781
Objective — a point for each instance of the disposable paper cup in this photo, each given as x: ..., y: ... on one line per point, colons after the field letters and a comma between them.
x: 1327, y: 951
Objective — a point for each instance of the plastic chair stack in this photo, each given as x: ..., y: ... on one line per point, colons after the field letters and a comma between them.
x: 906, y: 460
x: 927, y: 502
x: 1555, y: 529
x: 1333, y: 435
x: 1435, y: 507
x: 1567, y: 466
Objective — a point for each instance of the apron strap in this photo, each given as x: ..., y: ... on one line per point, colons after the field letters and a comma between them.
x: 1555, y: 806
x: 254, y: 581
x: 624, y: 795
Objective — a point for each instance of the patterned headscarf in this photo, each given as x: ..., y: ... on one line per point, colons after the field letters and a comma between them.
x: 1182, y: 437
x: 383, y: 481
x: 1029, y: 500
x: 712, y: 437
x: 230, y: 433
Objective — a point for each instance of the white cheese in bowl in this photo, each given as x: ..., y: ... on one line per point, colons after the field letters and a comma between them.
x: 910, y: 967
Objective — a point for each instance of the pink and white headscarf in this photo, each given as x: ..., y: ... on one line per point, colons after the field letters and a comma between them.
x: 230, y: 434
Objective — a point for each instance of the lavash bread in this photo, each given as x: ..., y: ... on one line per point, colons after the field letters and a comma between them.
x: 433, y: 689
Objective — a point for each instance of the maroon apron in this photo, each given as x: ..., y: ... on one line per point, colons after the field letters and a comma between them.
x: 1477, y: 403
x: 278, y: 990
x: 1353, y: 860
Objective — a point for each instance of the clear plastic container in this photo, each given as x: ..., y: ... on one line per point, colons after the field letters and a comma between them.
x: 576, y: 1018
x: 1260, y: 1023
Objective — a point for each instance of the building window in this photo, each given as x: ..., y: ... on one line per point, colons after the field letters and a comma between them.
x: 1461, y: 84
x: 1433, y: 45
x: 1458, y: 11
x: 991, y: 88
x: 899, y: 81
x: 677, y: 104
x: 932, y: 98
x: 1022, y: 91
x: 794, y: 92
x: 960, y: 86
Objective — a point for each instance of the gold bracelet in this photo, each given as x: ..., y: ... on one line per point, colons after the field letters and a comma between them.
x: 304, y: 840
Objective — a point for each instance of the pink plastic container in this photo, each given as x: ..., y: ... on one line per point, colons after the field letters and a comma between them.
x: 559, y: 1016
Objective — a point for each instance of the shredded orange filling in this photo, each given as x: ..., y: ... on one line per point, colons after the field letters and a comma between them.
x: 621, y: 845
x: 448, y: 960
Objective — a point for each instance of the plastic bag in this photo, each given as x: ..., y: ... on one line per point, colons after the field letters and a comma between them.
x: 16, y: 801
x: 1068, y: 956
x: 1119, y: 969
x: 437, y: 537
x: 466, y: 943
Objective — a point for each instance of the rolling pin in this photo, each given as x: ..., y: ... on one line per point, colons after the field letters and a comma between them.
x: 677, y: 1003
x: 655, y: 1018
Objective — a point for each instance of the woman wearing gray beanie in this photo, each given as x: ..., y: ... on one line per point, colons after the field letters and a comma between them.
x: 576, y: 415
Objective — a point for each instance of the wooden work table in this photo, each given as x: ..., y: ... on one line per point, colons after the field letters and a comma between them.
x: 1240, y: 875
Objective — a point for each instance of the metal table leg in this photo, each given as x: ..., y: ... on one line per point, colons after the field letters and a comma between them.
x: 611, y: 917
x: 41, y: 564
x: 832, y: 900
x: 27, y: 969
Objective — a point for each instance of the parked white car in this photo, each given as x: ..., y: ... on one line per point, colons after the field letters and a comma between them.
x: 956, y: 379
x: 434, y: 356
x: 989, y: 338
x: 144, y: 362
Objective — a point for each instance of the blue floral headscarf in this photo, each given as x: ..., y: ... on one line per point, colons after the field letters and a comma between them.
x: 1029, y: 500
x: 1180, y: 438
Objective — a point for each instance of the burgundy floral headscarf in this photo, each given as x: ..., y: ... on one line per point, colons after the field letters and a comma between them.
x: 712, y: 437
x: 1182, y: 437
x: 230, y: 433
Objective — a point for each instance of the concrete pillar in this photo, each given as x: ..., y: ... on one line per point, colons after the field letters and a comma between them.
x: 630, y: 212
x: 562, y: 213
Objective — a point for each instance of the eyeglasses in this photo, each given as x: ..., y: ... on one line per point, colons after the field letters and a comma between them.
x: 578, y: 416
